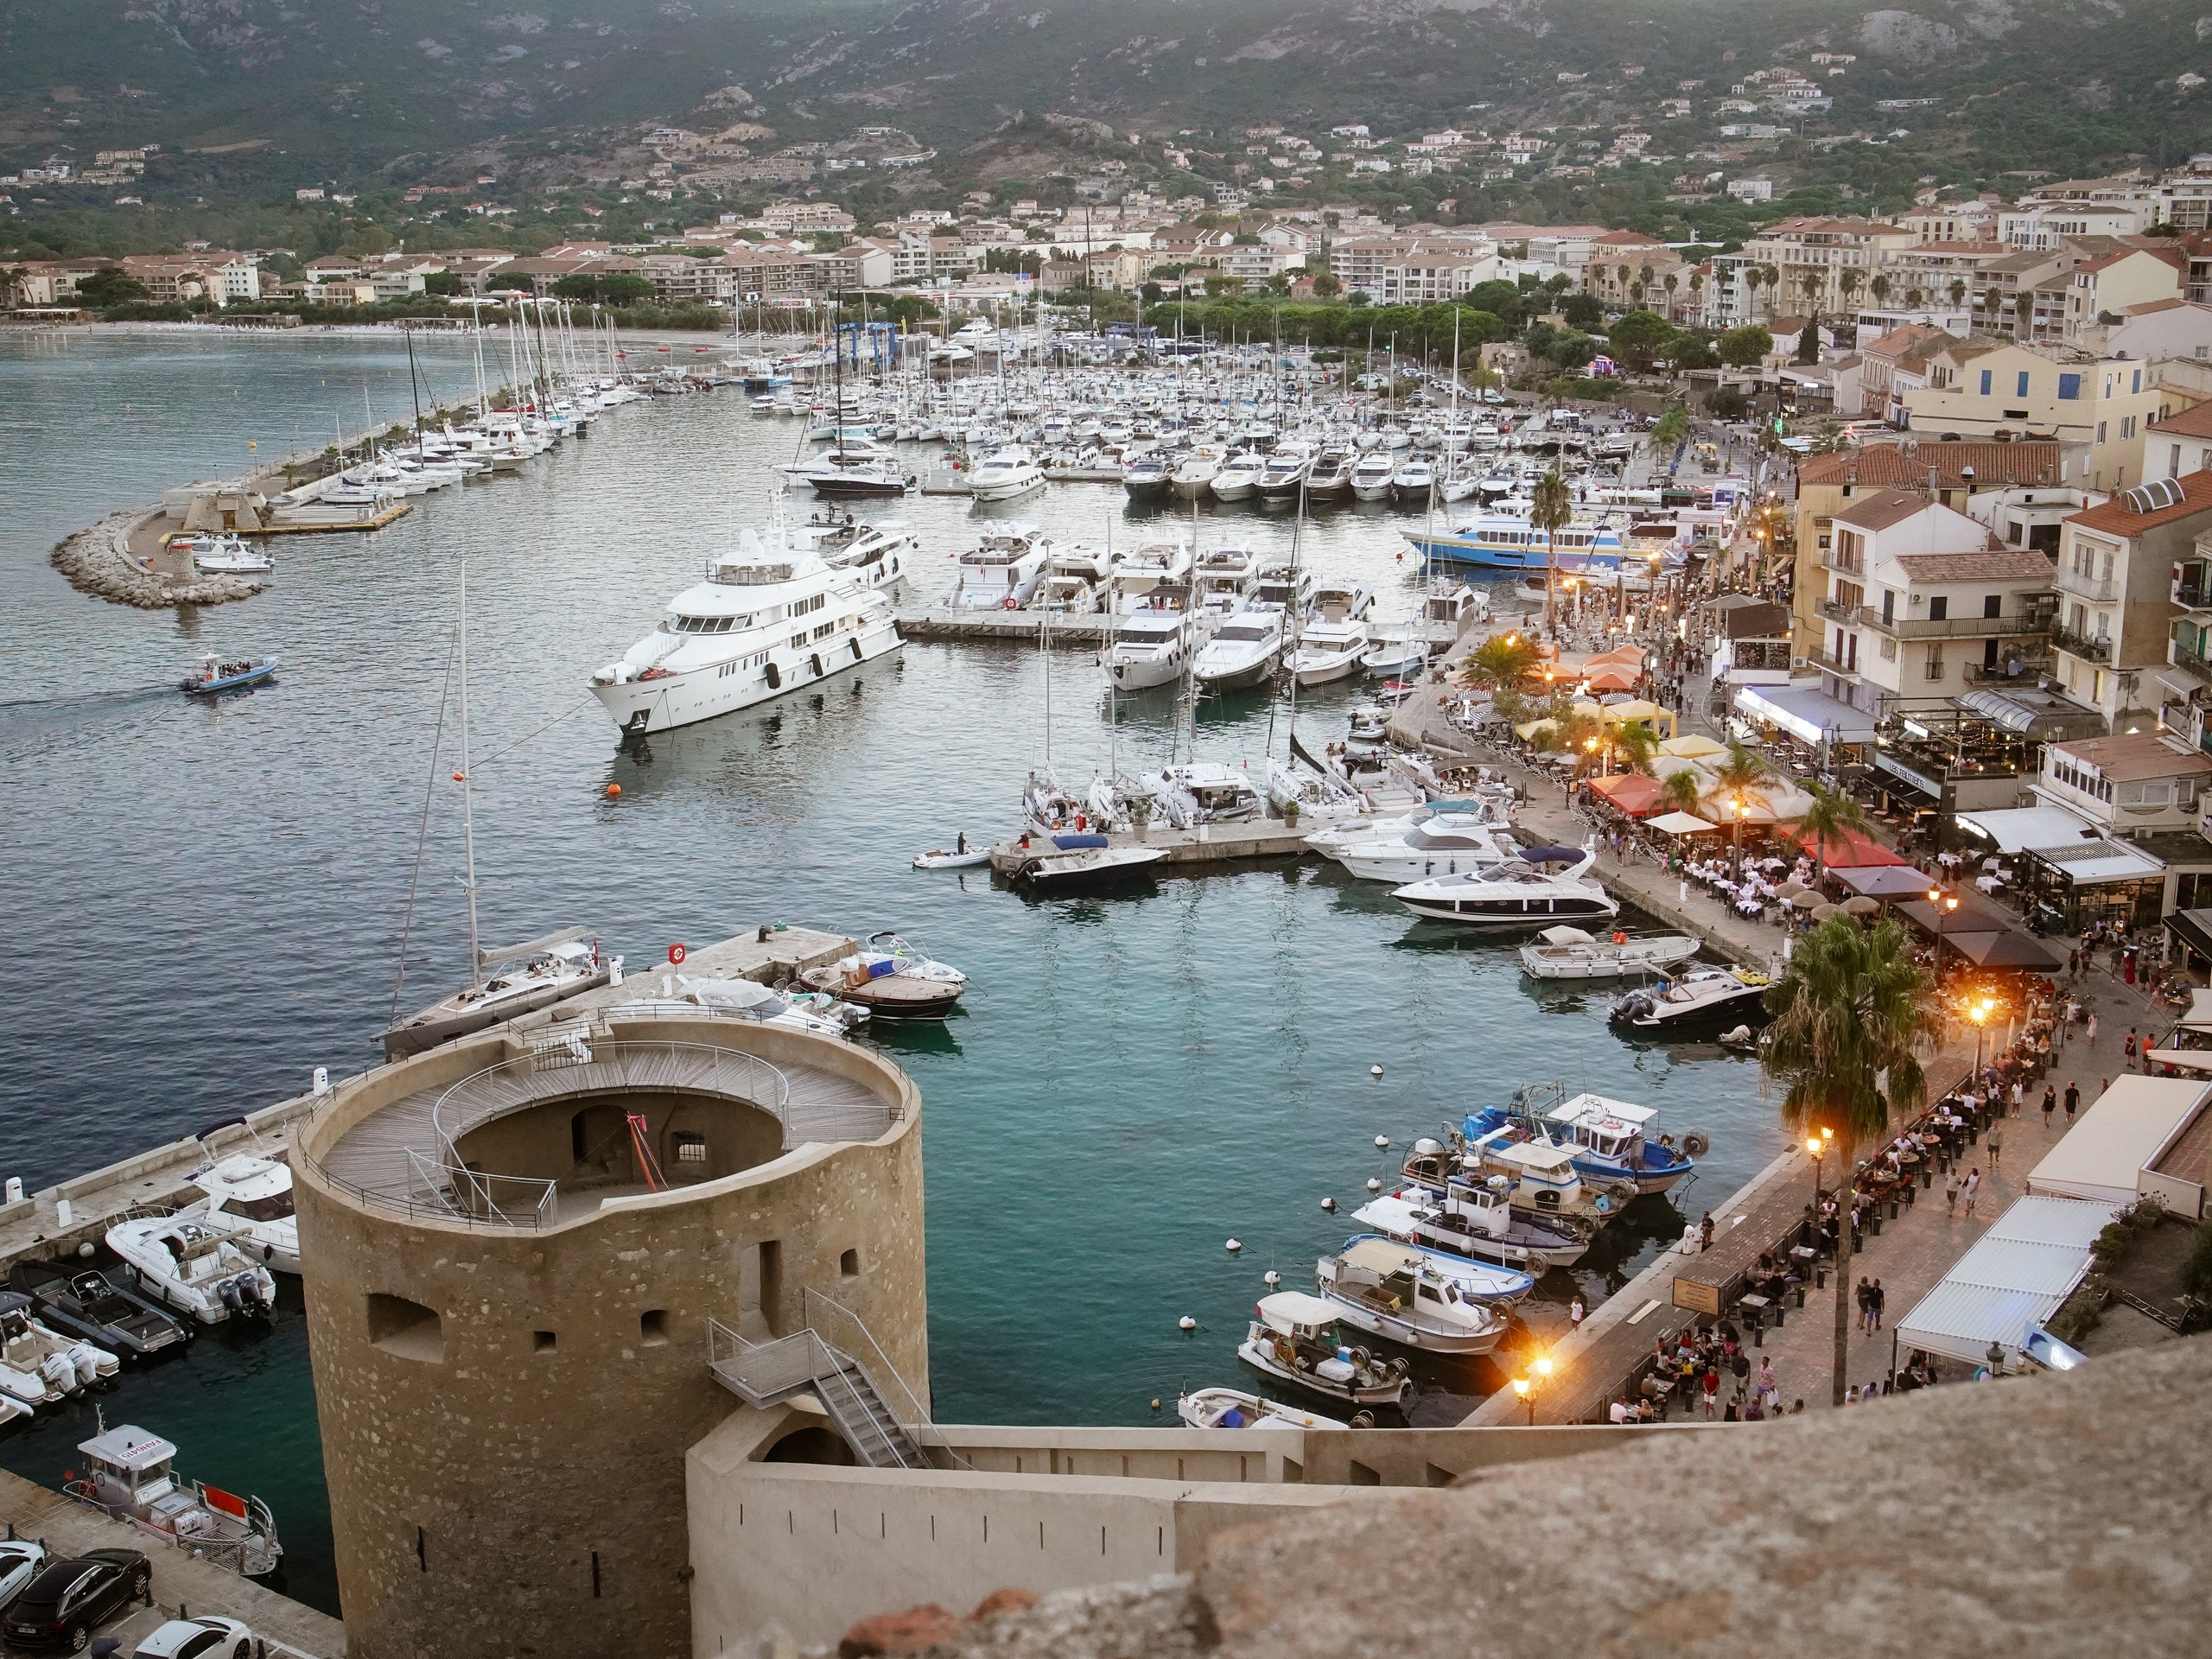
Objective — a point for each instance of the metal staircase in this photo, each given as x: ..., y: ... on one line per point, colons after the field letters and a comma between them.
x: 875, y: 1411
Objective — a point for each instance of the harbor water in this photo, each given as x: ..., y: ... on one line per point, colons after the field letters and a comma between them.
x: 206, y: 902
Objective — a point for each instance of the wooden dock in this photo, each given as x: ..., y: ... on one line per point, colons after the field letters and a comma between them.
x: 1004, y: 627
x: 314, y: 520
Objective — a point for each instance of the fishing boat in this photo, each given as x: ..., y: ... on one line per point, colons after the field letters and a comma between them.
x: 254, y: 1193
x: 1569, y: 953
x: 1615, y: 1139
x: 1527, y: 893
x: 214, y: 677
x: 1294, y: 1339
x: 1701, y: 1002
x: 1390, y: 1290
x: 95, y: 1306
x: 1235, y: 1408
x: 1472, y: 1216
x: 1541, y: 1180
x: 1494, y: 1286
x: 207, y: 1269
x: 130, y: 1474
x: 1087, y: 866
x: 38, y: 1366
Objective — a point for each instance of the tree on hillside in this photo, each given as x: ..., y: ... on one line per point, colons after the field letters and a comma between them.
x: 613, y: 288
x: 1746, y: 347
x: 1852, y: 1015
x: 1326, y: 286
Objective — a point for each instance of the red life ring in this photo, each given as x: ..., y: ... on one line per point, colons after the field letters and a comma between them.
x: 676, y: 956
x: 1010, y: 605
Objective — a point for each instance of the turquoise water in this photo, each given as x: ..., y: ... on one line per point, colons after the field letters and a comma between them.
x: 206, y: 901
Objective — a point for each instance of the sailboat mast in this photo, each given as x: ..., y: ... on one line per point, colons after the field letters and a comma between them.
x: 467, y: 799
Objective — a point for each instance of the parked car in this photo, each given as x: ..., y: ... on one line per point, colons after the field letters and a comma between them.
x: 20, y: 1560
x: 211, y: 1637
x: 61, y: 1607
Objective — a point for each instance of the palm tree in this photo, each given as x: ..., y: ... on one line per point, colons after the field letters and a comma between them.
x: 1852, y: 1015
x: 2024, y: 316
x: 1831, y: 814
x: 1773, y: 282
x: 1551, y: 509
x: 1880, y: 286
x: 1739, y: 770
x: 1752, y: 277
x: 1850, y: 279
x: 1671, y: 281
x: 1680, y: 790
x: 1912, y: 298
x: 1958, y: 290
x: 1633, y: 745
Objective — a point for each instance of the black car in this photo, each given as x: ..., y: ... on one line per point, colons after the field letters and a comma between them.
x: 99, y: 1308
x: 70, y: 1599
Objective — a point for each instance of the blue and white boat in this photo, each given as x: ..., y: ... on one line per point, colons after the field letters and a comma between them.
x: 1494, y: 541
x: 214, y: 677
x: 1608, y: 1139
x: 1477, y: 1282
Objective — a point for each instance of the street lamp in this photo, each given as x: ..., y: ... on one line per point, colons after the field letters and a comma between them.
x: 1979, y: 1014
x: 1942, y: 903
x: 1526, y: 1388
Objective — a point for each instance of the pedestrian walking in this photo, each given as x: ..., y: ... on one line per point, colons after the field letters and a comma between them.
x: 2050, y: 1104
x: 1770, y: 1388
x: 1995, y: 1141
x: 2127, y: 1048
x: 2020, y: 1096
x: 1576, y: 1312
x: 1875, y: 1298
x: 1705, y: 1232
x: 2073, y: 1099
x: 1858, y: 1295
x: 1951, y: 1194
x: 1972, y: 1190
x: 2089, y: 1031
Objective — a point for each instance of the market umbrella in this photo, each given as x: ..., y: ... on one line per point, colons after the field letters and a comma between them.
x: 1791, y: 890
x: 1806, y: 899
x: 1611, y: 678
x: 1692, y: 747
x: 1821, y: 912
x: 1860, y: 904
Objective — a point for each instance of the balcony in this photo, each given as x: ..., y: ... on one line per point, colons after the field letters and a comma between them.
x: 2088, y: 647
x: 2101, y: 590
x: 2031, y: 669
x: 2189, y: 661
x: 1944, y: 628
x: 1827, y: 660
x: 2193, y: 596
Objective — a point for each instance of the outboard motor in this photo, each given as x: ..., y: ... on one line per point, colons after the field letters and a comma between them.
x: 232, y: 1291
x: 60, y: 1375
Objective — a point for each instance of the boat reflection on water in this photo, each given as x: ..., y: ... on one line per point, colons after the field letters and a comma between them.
x: 909, y: 1037
x: 772, y: 755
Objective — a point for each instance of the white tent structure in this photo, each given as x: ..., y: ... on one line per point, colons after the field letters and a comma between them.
x: 2102, y: 1158
x: 2012, y: 1280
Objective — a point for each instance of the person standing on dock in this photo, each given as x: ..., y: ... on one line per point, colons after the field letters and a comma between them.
x: 2049, y: 1103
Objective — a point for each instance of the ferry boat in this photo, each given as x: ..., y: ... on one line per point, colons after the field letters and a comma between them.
x: 130, y: 1475
x: 1509, y: 542
x: 765, y: 621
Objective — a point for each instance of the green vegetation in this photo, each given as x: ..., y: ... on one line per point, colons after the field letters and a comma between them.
x: 1745, y: 347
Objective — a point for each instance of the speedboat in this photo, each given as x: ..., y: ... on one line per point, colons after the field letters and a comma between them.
x: 1328, y: 651
x: 890, y: 981
x: 1203, y: 791
x: 768, y: 620
x: 1235, y: 1408
x: 38, y: 1366
x: 1078, y: 866
x: 1701, y: 1002
x: 1444, y: 843
x: 1570, y: 953
x: 1146, y: 477
x: 1396, y: 655
x: 95, y: 1306
x: 1152, y: 648
x: 1371, y: 474
x: 746, y: 999
x: 1281, y: 475
x: 1390, y: 1290
x: 1238, y: 476
x: 1472, y: 1216
x: 1242, y: 652
x: 223, y: 556
x: 216, y: 677
x: 1413, y: 480
x: 129, y: 1473
x: 254, y: 1194
x: 1003, y: 571
x: 1294, y: 1339
x: 1333, y: 599
x: 873, y: 554
x: 842, y: 474
x: 958, y: 858
x: 1526, y: 892
x: 542, y: 972
x: 205, y: 1267
x: 1005, y: 473
x: 1194, y: 475
x: 1329, y: 478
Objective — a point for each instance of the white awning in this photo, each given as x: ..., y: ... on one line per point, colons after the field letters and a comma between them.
x: 1681, y: 823
x: 2010, y: 1283
x: 2015, y: 827
x: 2121, y: 1135
x: 1594, y: 1107
x: 1809, y: 715
x: 2090, y: 863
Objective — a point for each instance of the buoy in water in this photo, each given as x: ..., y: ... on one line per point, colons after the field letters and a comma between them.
x: 1329, y: 1204
x: 614, y: 792
x: 1374, y: 1186
x: 457, y: 777
x: 1272, y: 1279
x: 1381, y: 1140
x: 1374, y: 1070
x: 1155, y: 1405
x: 1235, y: 1245
x: 1186, y: 1323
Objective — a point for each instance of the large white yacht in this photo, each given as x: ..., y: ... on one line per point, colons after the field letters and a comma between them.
x: 1226, y: 577
x: 1006, y: 474
x: 1328, y: 650
x: 1243, y: 651
x: 1238, y: 476
x: 1444, y: 843
x: 769, y: 619
x: 1194, y: 475
x: 1528, y: 893
x: 1152, y: 647
x: 1147, y: 575
x: 1002, y: 571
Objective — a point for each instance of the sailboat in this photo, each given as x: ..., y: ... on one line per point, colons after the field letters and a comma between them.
x: 529, y: 974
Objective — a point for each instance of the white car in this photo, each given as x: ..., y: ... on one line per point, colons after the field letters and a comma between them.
x: 20, y: 1560
x: 210, y: 1637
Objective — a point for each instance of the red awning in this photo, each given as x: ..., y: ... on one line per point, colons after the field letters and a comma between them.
x: 1630, y: 792
x: 1848, y: 851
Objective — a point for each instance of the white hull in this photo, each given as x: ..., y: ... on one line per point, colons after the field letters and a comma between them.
x: 1542, y: 912
x: 1604, y: 961
x: 1011, y: 489
x: 1313, y: 668
x: 646, y: 706
x: 1414, y: 866
x: 1144, y: 673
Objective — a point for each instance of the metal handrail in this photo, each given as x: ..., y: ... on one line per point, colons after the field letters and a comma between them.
x: 455, y: 1113
x: 918, y: 1422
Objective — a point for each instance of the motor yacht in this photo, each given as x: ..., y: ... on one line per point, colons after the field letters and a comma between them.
x: 875, y: 553
x: 1002, y: 572
x: 1006, y: 474
x: 1281, y: 476
x: 768, y: 620
x: 1397, y: 1292
x: 1238, y: 476
x: 1203, y: 791
x: 1152, y: 648
x: 1156, y: 576
x: 1371, y: 474
x: 1395, y: 654
x: 223, y: 556
x: 1225, y: 577
x: 1444, y: 843
x: 254, y: 1193
x: 1242, y: 652
x: 1308, y: 796
x: 207, y: 1269
x: 1609, y: 1139
x: 1698, y: 1003
x: 1528, y: 892
x: 40, y: 1366
x: 1295, y: 1338
x: 1329, y: 478
x: 1282, y: 586
x: 1413, y: 481
x: 1077, y: 580
x: 1194, y: 475
x: 531, y: 975
x: 1328, y: 650
x: 1349, y: 599
x: 844, y: 474
x: 1146, y: 478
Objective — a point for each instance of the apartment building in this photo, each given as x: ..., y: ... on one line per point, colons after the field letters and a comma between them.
x: 1990, y: 388
x: 2115, y: 582
x: 2185, y: 682
x: 1821, y: 265
x: 1627, y: 267
x: 1414, y: 269
x: 1892, y: 365
x: 2178, y: 445
x: 169, y: 278
x: 2100, y: 290
x: 1922, y: 603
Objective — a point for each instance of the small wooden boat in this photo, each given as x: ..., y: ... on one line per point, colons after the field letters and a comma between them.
x: 216, y: 677
x: 1089, y: 866
x: 1235, y: 1408
x: 938, y: 859
x: 1294, y: 1340
x: 1570, y: 953
x: 891, y: 981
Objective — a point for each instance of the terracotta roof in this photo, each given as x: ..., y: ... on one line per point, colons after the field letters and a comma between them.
x: 1880, y: 512
x: 2118, y: 517
x: 2150, y: 306
x: 1880, y: 465
x: 1996, y: 563
x: 2136, y: 756
x: 1913, y: 338
x: 2192, y: 423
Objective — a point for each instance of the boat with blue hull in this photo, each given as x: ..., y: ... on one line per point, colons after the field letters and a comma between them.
x: 1509, y: 542
x: 1609, y: 1139
x: 214, y: 677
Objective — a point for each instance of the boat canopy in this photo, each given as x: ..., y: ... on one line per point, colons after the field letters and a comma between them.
x: 1591, y: 1108
x: 1287, y: 1308
x: 1563, y: 935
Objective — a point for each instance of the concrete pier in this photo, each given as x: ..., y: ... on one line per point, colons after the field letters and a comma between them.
x: 1004, y: 627
x: 1208, y: 844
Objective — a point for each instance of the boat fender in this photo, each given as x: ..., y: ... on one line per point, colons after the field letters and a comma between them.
x: 1362, y: 1359
x: 1696, y: 1145
x: 1603, y: 1204
x: 1619, y: 938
